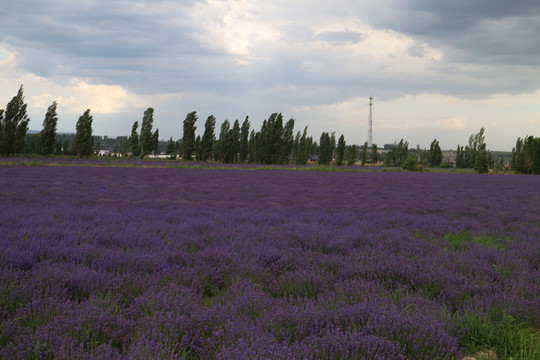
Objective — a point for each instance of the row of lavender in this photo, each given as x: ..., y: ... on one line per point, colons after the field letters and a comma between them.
x: 137, y: 263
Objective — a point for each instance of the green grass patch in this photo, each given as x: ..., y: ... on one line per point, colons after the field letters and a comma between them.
x: 502, y: 334
x: 460, y: 240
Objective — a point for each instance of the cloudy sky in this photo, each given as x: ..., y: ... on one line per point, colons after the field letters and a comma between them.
x: 437, y: 69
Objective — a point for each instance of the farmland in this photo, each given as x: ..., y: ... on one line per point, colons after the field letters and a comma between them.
x: 105, y: 262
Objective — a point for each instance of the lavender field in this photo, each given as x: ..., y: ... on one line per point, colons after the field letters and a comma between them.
x: 175, y: 263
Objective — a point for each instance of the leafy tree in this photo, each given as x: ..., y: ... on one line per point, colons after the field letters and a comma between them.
x: 14, y: 125
x: 333, y: 145
x: 66, y: 150
x: 481, y: 160
x: 48, y: 134
x: 325, y: 151
x: 32, y: 144
x: 467, y: 156
x: 224, y: 142
x: 208, y: 138
x: 398, y: 154
x: 302, y: 147
x: 171, y: 147
x: 351, y: 155
x: 374, y: 156
x: 435, y: 154
x: 410, y: 164
x: 146, y: 140
x: 526, y: 156
x: 460, y: 157
x: 364, y: 153
x: 198, y: 148
x: 244, y: 140
x: 340, y: 152
x: 155, y: 141
x: 1, y: 130
x: 287, y: 141
x: 234, y: 141
x: 252, y: 145
x: 188, y: 140
x: 83, y: 144
x: 273, y: 143
x: 132, y: 144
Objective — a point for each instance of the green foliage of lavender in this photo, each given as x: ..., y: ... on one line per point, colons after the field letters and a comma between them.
x: 179, y: 263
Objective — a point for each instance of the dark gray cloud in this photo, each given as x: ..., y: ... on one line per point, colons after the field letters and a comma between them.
x: 259, y: 57
x: 492, y: 31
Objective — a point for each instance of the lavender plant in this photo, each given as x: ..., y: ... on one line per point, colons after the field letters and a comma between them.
x: 170, y: 263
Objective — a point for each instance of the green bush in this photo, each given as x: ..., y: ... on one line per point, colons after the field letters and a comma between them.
x: 410, y: 164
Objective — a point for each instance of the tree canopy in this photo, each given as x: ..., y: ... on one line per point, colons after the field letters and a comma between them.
x: 13, y: 124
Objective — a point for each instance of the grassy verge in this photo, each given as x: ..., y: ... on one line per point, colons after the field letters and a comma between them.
x: 502, y: 334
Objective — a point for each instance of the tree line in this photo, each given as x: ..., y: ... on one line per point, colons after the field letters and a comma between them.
x: 275, y: 143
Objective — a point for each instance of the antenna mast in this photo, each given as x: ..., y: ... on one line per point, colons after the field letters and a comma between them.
x: 370, y: 131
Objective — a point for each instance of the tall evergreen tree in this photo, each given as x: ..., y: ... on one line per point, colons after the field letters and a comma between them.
x: 340, y: 152
x: 188, y: 140
x: 146, y: 139
x: 48, y: 134
x: 208, y: 138
x: 14, y: 125
x: 83, y: 145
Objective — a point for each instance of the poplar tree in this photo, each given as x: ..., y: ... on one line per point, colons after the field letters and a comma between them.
x: 224, y: 141
x: 234, y: 141
x: 155, y: 141
x: 146, y: 138
x: 208, y: 138
x: 83, y: 145
x: 351, y: 155
x: 325, y: 150
x: 133, y: 142
x: 364, y: 153
x: 340, y: 153
x: 14, y: 124
x: 435, y: 154
x: 374, y: 154
x: 188, y: 140
x: 48, y: 134
x: 244, y: 140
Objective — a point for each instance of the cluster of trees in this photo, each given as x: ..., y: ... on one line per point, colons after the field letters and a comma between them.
x: 146, y: 142
x: 526, y: 156
x: 274, y: 143
x: 13, y: 125
x: 475, y: 154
